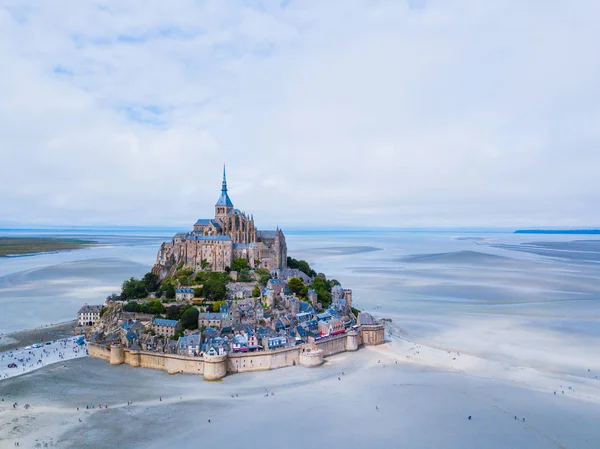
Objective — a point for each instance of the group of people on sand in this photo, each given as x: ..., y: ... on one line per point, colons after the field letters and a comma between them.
x: 31, y: 357
x: 93, y: 406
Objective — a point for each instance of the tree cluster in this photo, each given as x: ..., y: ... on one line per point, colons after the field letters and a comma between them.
x: 140, y: 288
x: 154, y: 307
x: 186, y: 314
x: 301, y: 265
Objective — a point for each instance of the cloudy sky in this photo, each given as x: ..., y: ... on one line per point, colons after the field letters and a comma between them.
x: 335, y: 113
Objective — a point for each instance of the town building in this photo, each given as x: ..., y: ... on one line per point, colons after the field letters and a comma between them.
x: 215, y: 242
x: 166, y: 328
x: 88, y: 315
x: 274, y: 342
x: 189, y: 345
x: 209, y: 320
x: 184, y: 294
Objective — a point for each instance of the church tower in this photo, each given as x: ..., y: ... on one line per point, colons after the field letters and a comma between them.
x: 224, y: 204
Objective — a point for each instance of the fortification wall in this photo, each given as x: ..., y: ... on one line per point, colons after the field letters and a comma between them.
x: 171, y: 363
x: 264, y: 360
x: 216, y: 367
x: 132, y: 358
x: 332, y: 345
x: 372, y: 334
x: 101, y: 352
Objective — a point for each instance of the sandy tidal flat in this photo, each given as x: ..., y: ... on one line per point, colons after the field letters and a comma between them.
x: 377, y: 397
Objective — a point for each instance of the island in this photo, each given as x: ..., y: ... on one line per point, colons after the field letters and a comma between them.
x: 226, y: 298
x: 19, y: 246
x: 559, y: 231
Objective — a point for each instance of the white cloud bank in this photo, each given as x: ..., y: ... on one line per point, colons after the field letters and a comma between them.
x: 353, y: 113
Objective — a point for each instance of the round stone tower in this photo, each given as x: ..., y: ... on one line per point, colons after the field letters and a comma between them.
x: 352, y: 338
x: 215, y: 367
x: 133, y: 358
x: 117, y: 356
x: 311, y: 356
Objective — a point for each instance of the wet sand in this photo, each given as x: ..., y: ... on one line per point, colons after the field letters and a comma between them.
x: 28, y: 337
x: 382, y: 399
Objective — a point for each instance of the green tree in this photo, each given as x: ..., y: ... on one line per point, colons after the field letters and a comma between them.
x: 214, y: 290
x: 151, y: 282
x: 216, y: 306
x: 301, y: 265
x: 173, y: 312
x: 264, y: 278
x: 239, y: 264
x: 169, y: 288
x: 198, y: 293
x: 322, y: 288
x: 244, y: 275
x: 155, y: 307
x: 133, y: 289
x: 189, y: 318
x: 297, y: 286
x: 177, y: 335
x: 256, y: 292
x: 204, y: 264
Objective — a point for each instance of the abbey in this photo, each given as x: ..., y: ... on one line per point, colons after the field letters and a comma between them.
x: 215, y: 242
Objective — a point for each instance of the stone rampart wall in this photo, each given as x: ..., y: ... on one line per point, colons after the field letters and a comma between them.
x: 332, y: 345
x: 101, y: 352
x: 170, y: 362
x: 215, y: 367
x: 263, y: 360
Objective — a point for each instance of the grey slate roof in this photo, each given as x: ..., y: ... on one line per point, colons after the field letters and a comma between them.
x: 164, y: 322
x: 90, y: 309
x: 266, y: 234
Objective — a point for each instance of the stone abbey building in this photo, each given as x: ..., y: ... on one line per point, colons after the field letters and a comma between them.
x: 215, y: 242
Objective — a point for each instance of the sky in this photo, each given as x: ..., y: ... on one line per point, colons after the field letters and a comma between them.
x: 354, y: 113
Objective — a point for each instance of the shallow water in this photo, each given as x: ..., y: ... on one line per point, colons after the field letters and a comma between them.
x: 478, y: 290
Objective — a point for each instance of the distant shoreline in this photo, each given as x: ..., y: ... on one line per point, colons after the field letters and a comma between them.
x: 25, y: 246
x: 25, y: 337
x: 559, y: 231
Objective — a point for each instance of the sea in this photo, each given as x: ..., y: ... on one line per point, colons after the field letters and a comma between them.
x: 480, y: 289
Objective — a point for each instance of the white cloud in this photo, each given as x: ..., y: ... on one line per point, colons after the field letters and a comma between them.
x: 375, y: 113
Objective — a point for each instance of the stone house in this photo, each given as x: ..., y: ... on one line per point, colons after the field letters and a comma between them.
x: 276, y: 286
x: 252, y: 341
x: 329, y: 327
x: 210, y: 320
x: 88, y: 315
x: 189, y: 345
x: 312, y: 297
x: 164, y: 327
x: 184, y: 294
x: 274, y: 342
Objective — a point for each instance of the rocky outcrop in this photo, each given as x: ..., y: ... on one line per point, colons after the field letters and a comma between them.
x: 109, y: 323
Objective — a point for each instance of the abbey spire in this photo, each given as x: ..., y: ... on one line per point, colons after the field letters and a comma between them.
x: 224, y: 204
